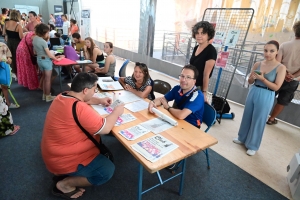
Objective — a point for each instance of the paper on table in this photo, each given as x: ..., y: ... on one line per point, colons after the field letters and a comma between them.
x: 100, y: 109
x: 134, y: 132
x: 103, y: 95
x: 124, y: 118
x: 83, y: 61
x: 156, y: 125
x: 154, y: 148
x: 165, y: 117
x: 110, y: 85
x: 104, y: 79
x: 128, y: 97
x: 137, y: 106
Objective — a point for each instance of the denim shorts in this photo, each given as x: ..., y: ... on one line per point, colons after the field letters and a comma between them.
x: 45, y: 63
x: 97, y: 172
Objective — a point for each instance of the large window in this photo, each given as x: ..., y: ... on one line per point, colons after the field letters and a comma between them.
x: 116, y: 21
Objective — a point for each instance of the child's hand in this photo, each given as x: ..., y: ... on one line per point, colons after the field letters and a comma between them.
x: 8, y: 61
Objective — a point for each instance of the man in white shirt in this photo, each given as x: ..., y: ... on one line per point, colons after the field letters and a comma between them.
x: 66, y: 27
x: 288, y: 55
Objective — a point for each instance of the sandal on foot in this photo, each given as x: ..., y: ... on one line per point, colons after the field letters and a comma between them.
x: 16, y: 128
x: 271, y: 122
x: 68, y: 195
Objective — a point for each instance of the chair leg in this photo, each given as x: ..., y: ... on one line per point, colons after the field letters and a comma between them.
x: 12, y: 96
x: 207, y: 158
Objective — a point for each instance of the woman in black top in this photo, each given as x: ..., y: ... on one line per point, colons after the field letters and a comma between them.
x: 204, y: 55
x: 13, y: 33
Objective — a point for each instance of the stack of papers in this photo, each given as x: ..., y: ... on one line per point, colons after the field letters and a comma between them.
x: 137, y: 106
x: 154, y: 148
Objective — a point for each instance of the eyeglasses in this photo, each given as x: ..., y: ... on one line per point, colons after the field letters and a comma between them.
x: 95, y: 90
x: 140, y: 64
x: 185, y: 77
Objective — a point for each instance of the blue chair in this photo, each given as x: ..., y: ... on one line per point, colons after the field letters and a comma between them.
x: 122, y: 72
x: 209, y: 118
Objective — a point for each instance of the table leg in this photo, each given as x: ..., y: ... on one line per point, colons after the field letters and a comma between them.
x: 59, y: 68
x: 140, y: 181
x: 182, y: 177
x: 83, y: 68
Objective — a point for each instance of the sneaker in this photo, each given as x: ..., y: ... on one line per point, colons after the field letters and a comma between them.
x: 44, y: 97
x: 49, y: 98
x: 251, y: 152
x: 12, y: 105
x: 13, y: 75
x: 236, y: 140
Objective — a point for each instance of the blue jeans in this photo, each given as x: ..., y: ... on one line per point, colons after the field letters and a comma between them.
x: 97, y: 172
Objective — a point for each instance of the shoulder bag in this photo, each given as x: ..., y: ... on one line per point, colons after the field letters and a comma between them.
x: 103, y: 149
x: 32, y: 56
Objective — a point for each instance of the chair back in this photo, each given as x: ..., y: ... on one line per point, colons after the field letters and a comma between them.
x: 122, y: 72
x: 209, y: 116
x: 70, y: 53
x: 161, y: 87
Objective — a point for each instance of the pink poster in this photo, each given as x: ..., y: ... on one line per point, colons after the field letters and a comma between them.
x: 222, y: 59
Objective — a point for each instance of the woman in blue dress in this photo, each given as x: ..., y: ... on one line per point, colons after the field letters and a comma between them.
x: 267, y: 77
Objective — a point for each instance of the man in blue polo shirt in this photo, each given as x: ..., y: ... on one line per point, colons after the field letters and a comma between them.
x: 189, y: 101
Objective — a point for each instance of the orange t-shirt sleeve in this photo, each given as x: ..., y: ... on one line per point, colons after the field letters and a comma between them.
x: 89, y: 119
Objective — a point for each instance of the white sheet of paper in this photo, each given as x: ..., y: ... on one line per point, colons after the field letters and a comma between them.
x: 134, y: 132
x: 100, y: 109
x: 156, y: 125
x: 110, y: 85
x: 137, y: 106
x: 103, y: 95
x: 128, y: 97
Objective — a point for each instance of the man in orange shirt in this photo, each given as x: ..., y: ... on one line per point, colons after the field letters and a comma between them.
x: 66, y: 150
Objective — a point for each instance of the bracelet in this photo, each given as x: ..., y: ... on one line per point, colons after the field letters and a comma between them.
x: 263, y: 80
x: 168, y: 109
x: 203, y: 91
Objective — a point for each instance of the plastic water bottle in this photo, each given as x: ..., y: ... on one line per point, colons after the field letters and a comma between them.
x: 81, y: 54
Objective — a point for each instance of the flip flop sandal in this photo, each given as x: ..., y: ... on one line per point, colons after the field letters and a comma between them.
x: 16, y: 128
x: 271, y: 122
x: 68, y: 195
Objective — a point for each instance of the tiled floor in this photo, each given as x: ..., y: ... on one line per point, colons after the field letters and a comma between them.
x: 280, y: 142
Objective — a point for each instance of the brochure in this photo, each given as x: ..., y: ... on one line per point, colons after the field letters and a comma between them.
x: 127, y: 96
x: 134, y: 132
x: 137, y: 106
x: 154, y: 148
x: 124, y: 119
x: 115, y: 85
x: 156, y: 125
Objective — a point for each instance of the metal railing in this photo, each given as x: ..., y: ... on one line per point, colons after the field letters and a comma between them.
x: 177, y: 50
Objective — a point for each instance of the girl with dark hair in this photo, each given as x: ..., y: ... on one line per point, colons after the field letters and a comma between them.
x: 13, y: 33
x: 92, y: 52
x: 139, y: 83
x: 66, y: 27
x: 267, y: 77
x: 108, y: 69
x: 204, y: 55
x: 44, y: 58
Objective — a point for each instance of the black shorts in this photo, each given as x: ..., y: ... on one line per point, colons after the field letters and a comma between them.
x: 286, y: 92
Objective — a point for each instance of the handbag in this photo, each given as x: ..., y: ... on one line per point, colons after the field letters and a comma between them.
x: 103, y: 149
x: 5, y: 77
x: 32, y: 56
x: 220, y: 104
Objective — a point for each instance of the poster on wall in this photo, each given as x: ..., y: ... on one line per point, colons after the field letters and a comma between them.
x: 58, y: 11
x: 232, y: 37
x: 26, y: 9
x: 219, y: 39
x: 85, y: 23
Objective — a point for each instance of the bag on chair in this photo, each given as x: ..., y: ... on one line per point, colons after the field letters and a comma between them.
x: 5, y: 77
